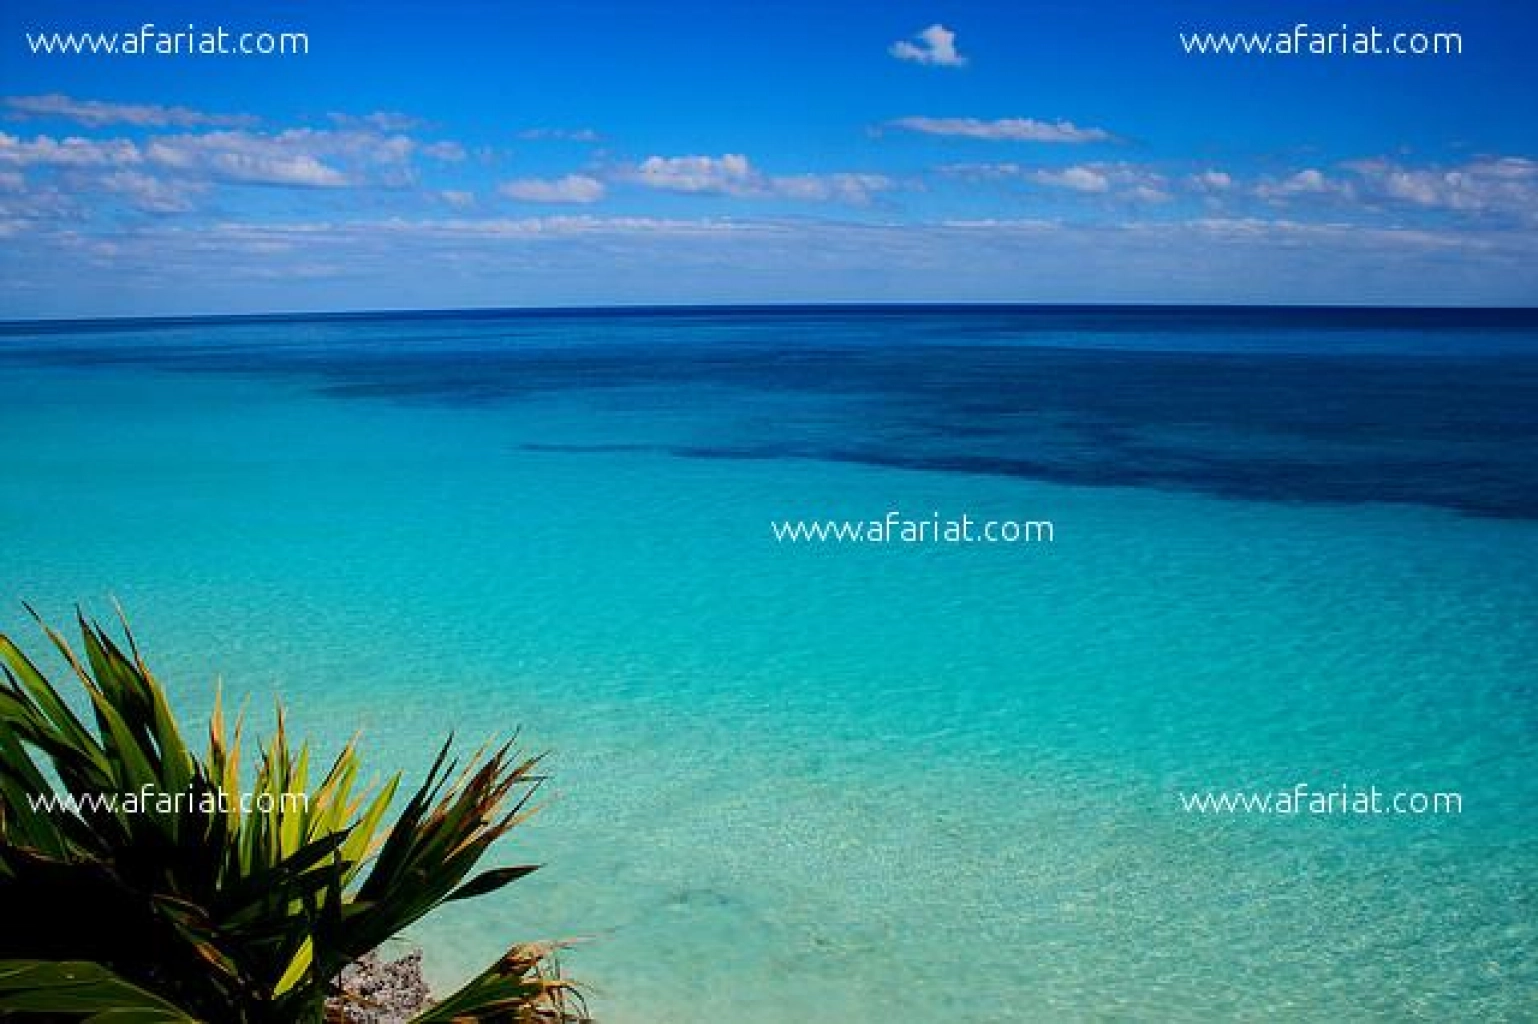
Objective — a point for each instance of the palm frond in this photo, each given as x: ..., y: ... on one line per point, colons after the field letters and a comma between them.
x: 75, y: 990
x: 241, y: 909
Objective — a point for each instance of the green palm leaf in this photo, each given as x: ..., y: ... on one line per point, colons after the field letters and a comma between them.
x: 202, y: 906
x: 82, y: 991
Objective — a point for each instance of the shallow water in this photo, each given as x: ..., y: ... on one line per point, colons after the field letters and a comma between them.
x: 883, y: 782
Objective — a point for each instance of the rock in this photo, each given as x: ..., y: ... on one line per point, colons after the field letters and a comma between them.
x: 377, y: 991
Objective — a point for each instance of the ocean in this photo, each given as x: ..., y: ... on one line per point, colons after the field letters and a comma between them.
x: 876, y: 781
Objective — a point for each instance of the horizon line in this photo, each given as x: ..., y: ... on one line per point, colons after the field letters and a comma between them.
x: 673, y: 308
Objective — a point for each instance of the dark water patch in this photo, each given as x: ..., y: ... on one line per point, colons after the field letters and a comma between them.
x: 1435, y: 408
x: 1303, y: 482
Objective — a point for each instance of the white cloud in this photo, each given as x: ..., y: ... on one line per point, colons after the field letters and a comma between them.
x: 997, y: 224
x: 379, y: 120
x: 1489, y: 186
x: 37, y: 207
x: 447, y: 151
x: 1211, y: 181
x: 559, y: 134
x: 733, y: 175
x: 854, y: 189
x: 1117, y: 180
x: 573, y: 188
x: 730, y: 174
x: 298, y: 157
x: 1011, y: 129
x: 284, y: 159
x: 535, y: 227
x: 983, y: 172
x: 1501, y: 185
x: 936, y: 46
x: 457, y: 198
x: 396, y: 261
x: 1122, y: 180
x: 97, y: 113
x: 1376, y: 191
x: 172, y: 170
x: 1308, y: 182
x: 1381, y: 240
x: 151, y: 194
x: 45, y: 150
x: 1078, y: 179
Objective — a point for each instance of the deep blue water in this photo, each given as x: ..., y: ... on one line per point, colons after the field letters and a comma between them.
x: 1431, y: 407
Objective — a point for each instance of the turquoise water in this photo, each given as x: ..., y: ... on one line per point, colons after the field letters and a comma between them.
x: 877, y: 783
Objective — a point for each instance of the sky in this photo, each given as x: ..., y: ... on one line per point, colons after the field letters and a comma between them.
x: 474, y: 154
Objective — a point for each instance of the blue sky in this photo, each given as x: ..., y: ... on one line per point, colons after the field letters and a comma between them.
x: 491, y: 154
